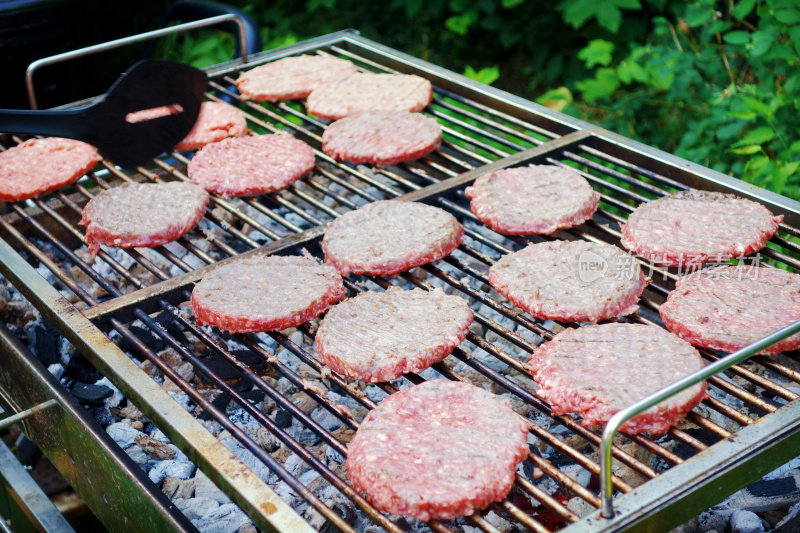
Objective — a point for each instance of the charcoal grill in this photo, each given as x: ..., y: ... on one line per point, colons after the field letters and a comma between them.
x: 747, y: 427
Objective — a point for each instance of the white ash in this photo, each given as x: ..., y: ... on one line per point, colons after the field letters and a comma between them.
x: 116, y: 398
x: 326, y: 419
x: 223, y: 519
x: 56, y: 369
x: 205, y: 488
x: 171, y: 468
x: 123, y: 434
x: 252, y: 462
x: 182, y: 398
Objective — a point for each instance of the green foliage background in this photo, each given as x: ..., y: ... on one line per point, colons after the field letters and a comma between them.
x: 716, y: 82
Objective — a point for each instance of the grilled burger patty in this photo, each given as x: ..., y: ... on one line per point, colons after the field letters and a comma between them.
x: 382, y: 137
x: 216, y: 121
x: 142, y: 214
x: 691, y: 227
x: 363, y: 92
x: 595, y: 371
x: 265, y: 293
x: 532, y: 199
x: 43, y: 165
x: 389, y: 237
x: 379, y: 336
x: 728, y: 307
x: 440, y: 449
x: 570, y: 280
x: 249, y: 166
x: 292, y: 77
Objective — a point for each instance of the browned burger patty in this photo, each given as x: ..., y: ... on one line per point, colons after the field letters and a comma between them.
x: 596, y: 371
x: 440, y: 449
x: 363, y: 92
x: 382, y: 137
x: 532, y: 199
x: 379, y: 336
x: 570, y: 280
x: 292, y: 77
x: 142, y: 214
x: 691, y: 227
x: 388, y: 237
x: 728, y: 307
x: 265, y: 293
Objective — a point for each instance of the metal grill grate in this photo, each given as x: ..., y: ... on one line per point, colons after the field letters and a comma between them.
x: 147, y: 287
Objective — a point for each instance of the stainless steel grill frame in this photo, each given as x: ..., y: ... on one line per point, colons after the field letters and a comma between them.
x: 485, y: 129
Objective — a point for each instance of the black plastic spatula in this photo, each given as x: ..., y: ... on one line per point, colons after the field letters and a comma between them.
x: 113, y: 126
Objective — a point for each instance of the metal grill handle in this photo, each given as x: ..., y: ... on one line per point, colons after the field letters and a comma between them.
x: 33, y: 67
x: 616, y: 421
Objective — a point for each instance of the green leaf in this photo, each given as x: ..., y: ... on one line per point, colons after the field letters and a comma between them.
x: 508, y: 4
x: 763, y: 40
x: 755, y: 165
x: 607, y: 12
x: 460, y: 24
x: 556, y: 99
x: 737, y: 37
x: 603, y: 85
x: 743, y: 8
x: 486, y: 75
x: 697, y: 15
x: 746, y: 150
x: 757, y: 136
x: 794, y: 35
x: 795, y: 146
x: 598, y: 52
x: 788, y: 16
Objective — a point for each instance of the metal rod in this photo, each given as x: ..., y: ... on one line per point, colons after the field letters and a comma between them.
x: 80, y: 52
x: 22, y: 415
x: 616, y: 421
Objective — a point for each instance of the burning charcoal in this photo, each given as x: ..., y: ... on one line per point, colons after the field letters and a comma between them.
x: 746, y: 522
x: 204, y: 488
x: 308, y: 437
x: 246, y: 456
x: 223, y: 519
x: 45, y: 340
x: 153, y: 448
x: 102, y: 415
x: 56, y: 369
x: 248, y: 528
x: 79, y: 369
x: 175, y: 488
x: 326, y: 419
x: 131, y: 411
x: 314, y: 518
x: 137, y: 455
x: 175, y: 469
x: 579, y: 506
x: 267, y: 440
x: 166, y: 320
x: 122, y: 433
x: 283, y: 419
x: 195, y: 508
x: 91, y: 394
x: 346, y: 511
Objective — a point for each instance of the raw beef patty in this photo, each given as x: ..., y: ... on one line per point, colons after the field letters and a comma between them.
x: 728, y: 307
x: 388, y: 237
x: 382, y: 137
x: 440, y: 449
x: 570, y: 280
x: 142, y: 214
x: 43, y: 165
x: 215, y: 122
x: 691, y: 227
x: 370, y: 92
x: 292, y: 77
x: 249, y: 166
x: 265, y: 293
x: 378, y: 336
x: 532, y: 199
x: 596, y: 371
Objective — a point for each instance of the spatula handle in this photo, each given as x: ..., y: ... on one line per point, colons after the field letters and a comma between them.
x: 60, y: 123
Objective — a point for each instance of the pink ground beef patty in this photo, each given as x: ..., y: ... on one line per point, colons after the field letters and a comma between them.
x: 440, y: 449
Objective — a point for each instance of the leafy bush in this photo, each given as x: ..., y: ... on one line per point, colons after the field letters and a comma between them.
x: 716, y: 82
